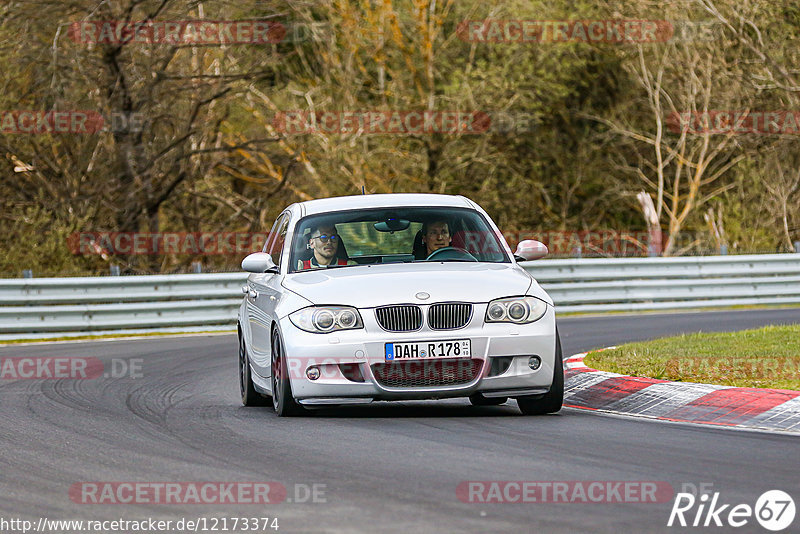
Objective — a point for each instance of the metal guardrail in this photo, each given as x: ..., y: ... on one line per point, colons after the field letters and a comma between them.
x: 630, y: 284
x: 32, y: 307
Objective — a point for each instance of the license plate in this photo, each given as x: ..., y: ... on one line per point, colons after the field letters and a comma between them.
x: 428, y: 350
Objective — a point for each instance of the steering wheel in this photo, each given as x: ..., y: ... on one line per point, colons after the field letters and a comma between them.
x: 450, y: 253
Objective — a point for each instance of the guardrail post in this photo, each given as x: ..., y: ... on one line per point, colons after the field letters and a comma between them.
x: 197, y: 267
x: 723, y: 250
x: 114, y: 269
x: 27, y: 273
x: 797, y: 246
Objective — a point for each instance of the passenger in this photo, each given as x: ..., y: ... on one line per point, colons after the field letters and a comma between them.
x: 324, y: 241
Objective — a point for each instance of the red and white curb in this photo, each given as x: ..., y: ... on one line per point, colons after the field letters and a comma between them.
x: 753, y: 408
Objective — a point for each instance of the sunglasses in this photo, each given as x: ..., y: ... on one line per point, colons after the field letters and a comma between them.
x: 325, y: 238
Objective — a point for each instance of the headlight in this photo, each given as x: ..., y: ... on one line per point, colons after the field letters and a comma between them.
x: 324, y: 319
x: 518, y: 310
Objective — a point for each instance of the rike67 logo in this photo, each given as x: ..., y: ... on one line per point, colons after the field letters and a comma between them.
x: 774, y: 510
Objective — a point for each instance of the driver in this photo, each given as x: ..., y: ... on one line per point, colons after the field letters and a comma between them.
x: 324, y: 241
x: 435, y: 235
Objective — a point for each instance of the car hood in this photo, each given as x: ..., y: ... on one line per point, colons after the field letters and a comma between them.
x: 367, y: 286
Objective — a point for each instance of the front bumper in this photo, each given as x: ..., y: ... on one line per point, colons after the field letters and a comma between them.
x: 365, y: 348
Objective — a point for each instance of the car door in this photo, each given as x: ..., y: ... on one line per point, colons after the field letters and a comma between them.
x: 262, y: 298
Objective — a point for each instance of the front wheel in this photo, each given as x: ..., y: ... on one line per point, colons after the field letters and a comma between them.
x: 250, y: 397
x: 551, y: 401
x: 282, y: 398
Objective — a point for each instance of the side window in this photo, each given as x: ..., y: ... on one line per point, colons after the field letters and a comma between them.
x: 278, y: 238
x: 272, y: 233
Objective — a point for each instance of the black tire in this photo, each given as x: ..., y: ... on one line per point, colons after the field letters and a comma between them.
x: 479, y: 400
x: 250, y: 397
x: 282, y: 398
x: 551, y: 401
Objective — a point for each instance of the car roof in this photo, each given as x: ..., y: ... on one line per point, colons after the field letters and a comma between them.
x: 390, y: 200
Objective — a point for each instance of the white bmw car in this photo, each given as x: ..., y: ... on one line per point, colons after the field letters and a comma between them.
x: 395, y: 297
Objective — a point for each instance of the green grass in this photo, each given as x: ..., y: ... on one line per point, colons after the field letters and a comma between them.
x: 766, y: 357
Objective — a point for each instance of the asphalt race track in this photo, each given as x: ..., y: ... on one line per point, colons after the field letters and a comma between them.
x: 382, y: 468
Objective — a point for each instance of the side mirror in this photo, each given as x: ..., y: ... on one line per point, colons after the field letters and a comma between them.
x: 529, y: 250
x: 259, y: 262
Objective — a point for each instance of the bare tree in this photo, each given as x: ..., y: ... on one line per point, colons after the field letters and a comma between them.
x: 681, y: 165
x: 165, y: 106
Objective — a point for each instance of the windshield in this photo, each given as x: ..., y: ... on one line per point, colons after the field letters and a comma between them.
x: 396, y: 235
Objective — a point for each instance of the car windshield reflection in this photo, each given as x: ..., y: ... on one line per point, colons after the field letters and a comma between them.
x: 385, y: 236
